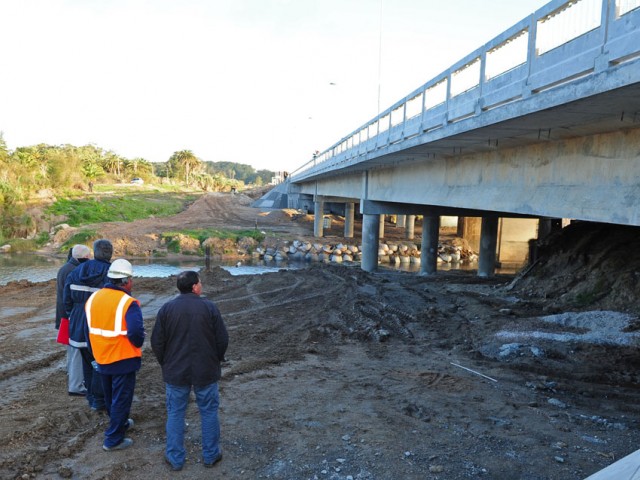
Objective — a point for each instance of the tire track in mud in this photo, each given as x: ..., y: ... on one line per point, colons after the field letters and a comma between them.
x: 255, y: 296
x: 17, y: 377
x: 29, y: 354
x: 275, y: 297
x: 223, y: 213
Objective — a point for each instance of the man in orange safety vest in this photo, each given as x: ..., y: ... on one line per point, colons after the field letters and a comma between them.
x: 116, y: 333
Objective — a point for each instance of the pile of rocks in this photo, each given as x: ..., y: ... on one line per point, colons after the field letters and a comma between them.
x: 395, y: 253
x: 398, y: 253
x: 454, y: 253
x: 311, y: 252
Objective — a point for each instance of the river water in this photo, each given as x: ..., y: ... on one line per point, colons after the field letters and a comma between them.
x: 39, y: 268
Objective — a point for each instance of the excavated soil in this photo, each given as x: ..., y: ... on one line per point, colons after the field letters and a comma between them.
x: 335, y: 373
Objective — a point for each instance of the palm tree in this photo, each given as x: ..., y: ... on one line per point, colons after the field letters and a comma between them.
x: 112, y: 163
x: 186, y: 161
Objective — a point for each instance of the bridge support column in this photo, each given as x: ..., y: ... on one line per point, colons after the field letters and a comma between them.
x: 488, y: 244
x: 410, y: 228
x: 400, y: 220
x: 349, y: 216
x: 381, y: 227
x: 546, y: 226
x: 318, y: 217
x: 370, y: 241
x: 429, y: 245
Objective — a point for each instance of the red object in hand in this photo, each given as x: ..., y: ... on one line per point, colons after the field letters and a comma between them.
x: 63, y: 332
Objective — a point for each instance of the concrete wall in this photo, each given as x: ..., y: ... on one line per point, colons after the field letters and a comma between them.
x: 513, y: 239
x: 584, y: 178
x: 346, y: 186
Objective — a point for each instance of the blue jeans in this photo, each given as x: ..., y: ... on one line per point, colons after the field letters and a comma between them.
x: 207, y: 399
x: 118, y: 396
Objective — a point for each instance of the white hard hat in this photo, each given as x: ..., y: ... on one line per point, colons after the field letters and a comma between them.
x: 120, y: 268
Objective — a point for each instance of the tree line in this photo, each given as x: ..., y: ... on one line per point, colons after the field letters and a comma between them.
x: 27, y: 170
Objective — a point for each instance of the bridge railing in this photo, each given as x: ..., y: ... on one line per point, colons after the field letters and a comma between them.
x: 563, y: 41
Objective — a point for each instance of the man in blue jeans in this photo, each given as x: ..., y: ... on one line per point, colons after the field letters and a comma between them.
x: 189, y: 339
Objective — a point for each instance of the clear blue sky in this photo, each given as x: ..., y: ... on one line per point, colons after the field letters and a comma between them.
x: 261, y: 82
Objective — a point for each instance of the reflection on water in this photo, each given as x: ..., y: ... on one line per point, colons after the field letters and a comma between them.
x: 35, y: 268
x: 38, y: 268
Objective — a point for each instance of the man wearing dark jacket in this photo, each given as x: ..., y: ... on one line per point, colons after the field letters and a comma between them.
x: 189, y: 339
x: 81, y: 283
x: 75, y: 379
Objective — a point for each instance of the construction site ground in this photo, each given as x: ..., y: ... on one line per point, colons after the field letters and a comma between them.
x: 336, y: 373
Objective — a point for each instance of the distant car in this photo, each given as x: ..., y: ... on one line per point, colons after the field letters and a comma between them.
x: 137, y: 181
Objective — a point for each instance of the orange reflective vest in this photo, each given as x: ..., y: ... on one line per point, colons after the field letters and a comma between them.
x: 106, y: 311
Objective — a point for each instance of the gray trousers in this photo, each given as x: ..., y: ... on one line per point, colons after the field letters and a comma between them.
x: 75, y: 377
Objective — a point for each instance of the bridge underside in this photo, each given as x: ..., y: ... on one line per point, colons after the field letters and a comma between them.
x: 571, y: 150
x: 593, y: 178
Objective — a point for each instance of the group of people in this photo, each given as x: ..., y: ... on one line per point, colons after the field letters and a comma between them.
x: 104, y: 348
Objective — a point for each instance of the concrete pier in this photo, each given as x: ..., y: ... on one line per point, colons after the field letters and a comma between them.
x: 349, y: 217
x: 429, y: 245
x: 318, y: 217
x: 488, y: 244
x: 370, y: 241
x: 410, y: 227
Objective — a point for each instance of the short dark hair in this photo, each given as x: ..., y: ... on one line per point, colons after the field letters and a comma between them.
x: 102, y: 250
x: 186, y: 281
x: 118, y: 281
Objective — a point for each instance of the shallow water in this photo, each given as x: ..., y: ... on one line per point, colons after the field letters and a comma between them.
x: 38, y: 268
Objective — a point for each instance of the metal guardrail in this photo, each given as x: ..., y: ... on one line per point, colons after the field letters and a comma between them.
x: 563, y: 41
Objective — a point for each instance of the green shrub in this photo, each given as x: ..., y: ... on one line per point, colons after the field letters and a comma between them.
x: 84, y: 237
x: 42, y: 238
x: 203, y: 234
x: 128, y: 207
x: 173, y: 245
x: 22, y: 245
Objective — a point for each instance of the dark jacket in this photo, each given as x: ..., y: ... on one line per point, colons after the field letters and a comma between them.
x: 63, y: 273
x: 189, y: 339
x: 81, y: 283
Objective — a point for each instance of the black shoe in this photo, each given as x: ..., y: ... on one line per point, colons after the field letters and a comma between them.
x: 215, y: 460
x: 175, y: 468
x: 77, y: 394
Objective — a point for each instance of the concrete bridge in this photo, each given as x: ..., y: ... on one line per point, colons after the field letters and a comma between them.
x: 541, y: 122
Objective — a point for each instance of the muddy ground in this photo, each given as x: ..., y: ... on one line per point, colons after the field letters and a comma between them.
x: 334, y: 373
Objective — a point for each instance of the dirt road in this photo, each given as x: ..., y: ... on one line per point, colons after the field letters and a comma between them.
x: 337, y: 374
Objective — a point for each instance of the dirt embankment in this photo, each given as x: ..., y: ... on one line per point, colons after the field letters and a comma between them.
x: 143, y: 238
x: 587, y: 266
x: 339, y: 374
